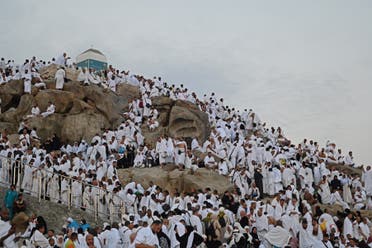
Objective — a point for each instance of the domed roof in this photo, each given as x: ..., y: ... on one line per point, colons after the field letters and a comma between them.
x: 93, y: 50
x: 91, y: 53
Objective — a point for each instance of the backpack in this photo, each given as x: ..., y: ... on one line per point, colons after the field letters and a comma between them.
x: 166, y: 207
x: 121, y: 150
x: 222, y: 222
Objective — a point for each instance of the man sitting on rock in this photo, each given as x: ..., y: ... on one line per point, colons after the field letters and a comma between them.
x: 35, y: 111
x: 83, y: 76
x: 209, y: 161
x: 50, y: 110
x: 19, y: 205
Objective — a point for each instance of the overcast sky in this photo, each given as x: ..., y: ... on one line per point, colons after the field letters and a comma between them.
x: 303, y: 65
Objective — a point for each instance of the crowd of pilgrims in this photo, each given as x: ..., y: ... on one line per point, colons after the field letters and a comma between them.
x: 276, y: 182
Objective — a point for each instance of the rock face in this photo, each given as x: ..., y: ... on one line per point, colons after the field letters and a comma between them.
x: 48, y: 72
x: 83, y: 111
x: 171, y: 179
x: 178, y: 119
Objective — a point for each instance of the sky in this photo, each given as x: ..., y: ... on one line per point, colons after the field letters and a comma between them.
x: 301, y: 65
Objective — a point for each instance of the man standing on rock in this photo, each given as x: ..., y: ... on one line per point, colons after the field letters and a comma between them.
x: 60, y: 78
x: 367, y: 176
x: 61, y: 60
x: 27, y: 82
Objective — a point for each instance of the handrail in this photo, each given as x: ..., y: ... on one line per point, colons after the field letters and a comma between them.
x: 15, y: 175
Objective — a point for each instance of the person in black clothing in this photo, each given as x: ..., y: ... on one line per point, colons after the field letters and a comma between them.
x: 182, y: 239
x: 335, y: 183
x: 56, y: 143
x: 255, y: 240
x: 164, y: 241
x: 244, y: 221
x: 258, y: 180
x: 52, y: 144
x: 227, y: 200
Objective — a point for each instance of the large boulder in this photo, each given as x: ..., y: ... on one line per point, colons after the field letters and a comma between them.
x: 177, y: 119
x: 10, y: 94
x: 9, y: 126
x: 186, y: 120
x: 47, y: 126
x: 70, y: 128
x: 172, y: 179
x: 23, y: 108
x: 83, y: 126
x: 63, y: 100
x: 48, y: 72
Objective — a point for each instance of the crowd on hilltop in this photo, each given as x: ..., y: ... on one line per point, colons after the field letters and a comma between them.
x: 276, y: 182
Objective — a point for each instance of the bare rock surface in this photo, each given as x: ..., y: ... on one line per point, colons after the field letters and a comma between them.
x: 178, y: 119
x: 170, y: 178
x: 82, y: 111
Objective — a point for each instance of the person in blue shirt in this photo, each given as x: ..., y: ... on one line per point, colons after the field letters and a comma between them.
x: 72, y: 224
x: 10, y: 196
x: 84, y: 225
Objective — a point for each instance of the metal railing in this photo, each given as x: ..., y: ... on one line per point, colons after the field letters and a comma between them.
x: 101, y: 203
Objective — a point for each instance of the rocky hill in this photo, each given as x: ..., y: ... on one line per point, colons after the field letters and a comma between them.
x: 83, y: 111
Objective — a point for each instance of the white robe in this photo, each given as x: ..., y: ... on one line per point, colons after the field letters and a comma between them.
x: 307, y: 240
x: 76, y: 194
x: 53, y: 189
x: 60, y: 78
x: 27, y: 83
x: 348, y: 227
x: 4, y: 228
x: 262, y: 226
x: 368, y: 182
x: 27, y: 178
x: 278, y: 236
x: 325, y: 193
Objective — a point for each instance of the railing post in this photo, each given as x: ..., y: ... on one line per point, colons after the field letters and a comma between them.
x: 19, y: 183
x: 96, y: 207
x: 122, y: 210
x: 69, y: 195
x: 12, y: 181
x: 111, y: 212
x: 45, y: 185
x: 39, y: 189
